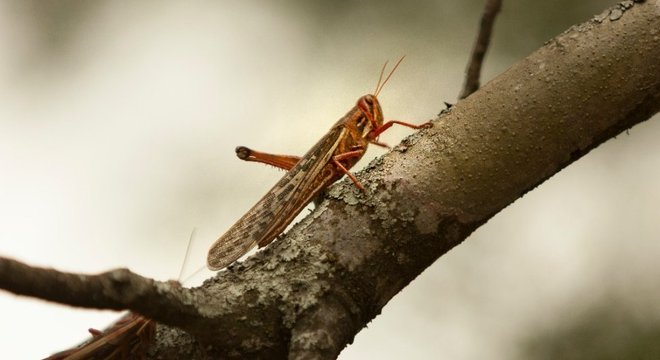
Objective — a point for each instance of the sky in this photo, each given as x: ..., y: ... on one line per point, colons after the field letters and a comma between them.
x: 118, y: 122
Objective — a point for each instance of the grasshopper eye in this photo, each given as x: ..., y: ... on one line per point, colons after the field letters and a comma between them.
x: 365, y: 103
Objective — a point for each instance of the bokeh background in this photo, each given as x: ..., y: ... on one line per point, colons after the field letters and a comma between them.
x: 118, y: 122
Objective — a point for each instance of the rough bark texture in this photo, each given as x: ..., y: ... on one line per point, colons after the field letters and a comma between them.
x: 308, y: 294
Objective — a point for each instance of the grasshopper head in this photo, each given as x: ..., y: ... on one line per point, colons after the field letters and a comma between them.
x: 373, y: 114
x: 370, y: 106
x: 372, y: 118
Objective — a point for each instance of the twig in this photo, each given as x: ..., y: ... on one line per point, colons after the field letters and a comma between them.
x: 116, y: 289
x: 473, y: 71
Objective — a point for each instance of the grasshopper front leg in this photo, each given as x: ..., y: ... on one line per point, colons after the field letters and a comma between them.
x: 379, y: 130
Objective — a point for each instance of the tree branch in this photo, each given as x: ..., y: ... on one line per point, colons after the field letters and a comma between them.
x: 308, y: 294
x: 473, y: 71
x: 116, y: 289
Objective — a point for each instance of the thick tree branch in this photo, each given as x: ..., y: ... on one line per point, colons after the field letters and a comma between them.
x: 308, y: 294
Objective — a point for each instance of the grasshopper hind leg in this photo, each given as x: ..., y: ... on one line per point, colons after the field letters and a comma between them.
x: 285, y: 162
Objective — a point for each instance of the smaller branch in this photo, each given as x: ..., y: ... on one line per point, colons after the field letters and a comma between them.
x: 473, y: 71
x: 116, y: 289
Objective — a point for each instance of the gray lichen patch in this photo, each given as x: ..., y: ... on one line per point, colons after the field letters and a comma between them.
x: 427, y: 219
x: 288, y: 278
x: 616, y: 12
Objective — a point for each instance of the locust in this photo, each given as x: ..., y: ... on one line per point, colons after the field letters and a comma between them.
x: 128, y: 338
x: 306, y: 177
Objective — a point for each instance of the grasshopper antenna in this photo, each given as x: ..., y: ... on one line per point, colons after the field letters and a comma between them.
x: 380, y: 78
x: 190, y: 241
x: 381, y: 86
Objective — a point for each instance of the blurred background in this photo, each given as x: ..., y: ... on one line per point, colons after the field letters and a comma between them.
x: 118, y: 122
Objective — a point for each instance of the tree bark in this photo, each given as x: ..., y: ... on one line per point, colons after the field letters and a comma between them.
x: 308, y: 294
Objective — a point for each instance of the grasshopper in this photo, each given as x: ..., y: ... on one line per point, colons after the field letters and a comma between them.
x: 326, y: 162
x: 128, y: 338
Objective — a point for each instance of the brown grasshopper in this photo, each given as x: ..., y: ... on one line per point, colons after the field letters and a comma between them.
x: 128, y: 338
x: 326, y: 162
